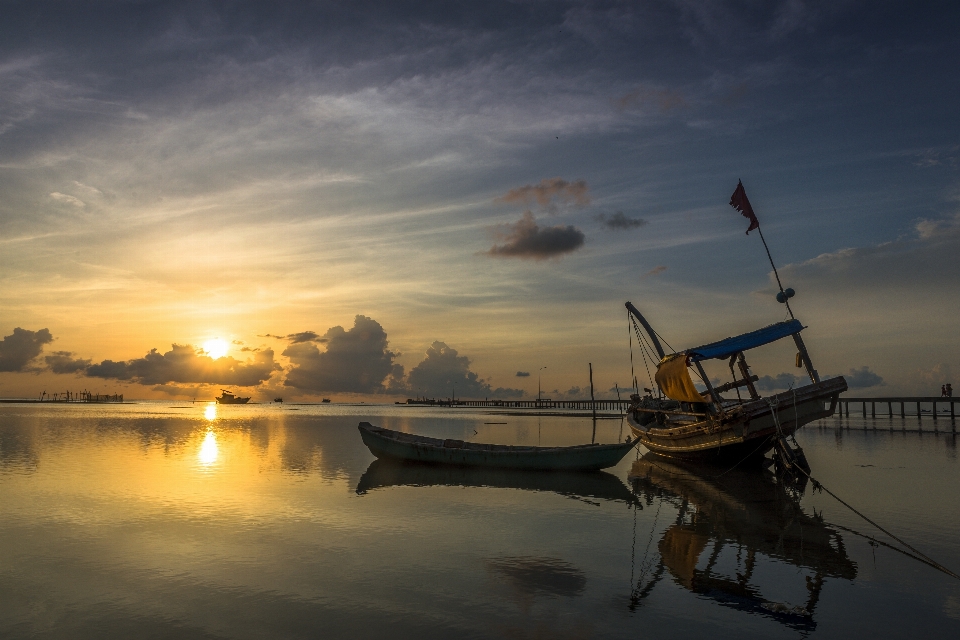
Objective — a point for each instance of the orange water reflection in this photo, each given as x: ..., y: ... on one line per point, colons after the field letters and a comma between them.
x: 209, y: 451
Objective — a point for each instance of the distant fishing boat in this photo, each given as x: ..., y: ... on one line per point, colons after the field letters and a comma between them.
x: 325, y: 400
x: 682, y: 422
x: 228, y: 398
x: 388, y: 444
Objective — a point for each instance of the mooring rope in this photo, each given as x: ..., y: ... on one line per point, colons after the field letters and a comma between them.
x: 818, y: 485
x: 925, y: 558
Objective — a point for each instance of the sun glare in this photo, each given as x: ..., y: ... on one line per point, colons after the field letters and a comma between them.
x: 216, y: 348
x: 208, y: 449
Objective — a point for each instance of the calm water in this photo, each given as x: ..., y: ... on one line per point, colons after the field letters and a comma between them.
x: 166, y: 520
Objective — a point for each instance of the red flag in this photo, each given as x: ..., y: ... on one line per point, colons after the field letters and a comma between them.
x: 739, y: 202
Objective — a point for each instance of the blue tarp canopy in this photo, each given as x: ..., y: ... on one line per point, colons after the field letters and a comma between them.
x: 729, y: 346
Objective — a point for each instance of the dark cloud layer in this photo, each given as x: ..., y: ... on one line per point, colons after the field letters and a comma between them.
x: 525, y: 239
x: 523, y: 374
x: 294, y: 338
x: 22, y: 346
x: 620, y: 221
x: 355, y: 361
x: 64, y: 362
x: 857, y: 378
x: 444, y: 372
x: 184, y: 364
x: 861, y: 378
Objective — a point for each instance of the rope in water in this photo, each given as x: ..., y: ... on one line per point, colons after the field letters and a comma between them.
x: 921, y: 556
x: 819, y: 485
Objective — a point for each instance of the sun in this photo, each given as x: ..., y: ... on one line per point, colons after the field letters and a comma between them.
x: 216, y: 348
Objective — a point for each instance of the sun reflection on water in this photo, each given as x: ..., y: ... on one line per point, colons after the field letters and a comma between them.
x: 208, y: 449
x: 210, y: 412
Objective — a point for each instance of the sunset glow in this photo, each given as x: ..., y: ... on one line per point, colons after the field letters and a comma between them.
x: 326, y: 218
x: 208, y: 449
x: 216, y: 348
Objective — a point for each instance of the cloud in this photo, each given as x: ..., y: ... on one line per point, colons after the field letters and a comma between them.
x: 523, y: 374
x: 857, y: 378
x: 619, y: 221
x: 174, y: 390
x: 780, y: 381
x: 305, y: 336
x: 71, y: 200
x: 294, y: 338
x: 573, y: 393
x: 655, y: 271
x: 355, y: 360
x: 665, y: 99
x: 930, y: 258
x: 184, y: 364
x: 64, y: 362
x: 443, y: 371
x: 525, y: 239
x: 549, y: 189
x: 861, y: 378
x: 22, y: 346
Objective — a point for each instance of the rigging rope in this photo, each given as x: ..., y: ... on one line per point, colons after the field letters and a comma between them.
x: 633, y: 376
x: 642, y: 342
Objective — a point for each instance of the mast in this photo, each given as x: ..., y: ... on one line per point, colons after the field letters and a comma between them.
x: 646, y: 325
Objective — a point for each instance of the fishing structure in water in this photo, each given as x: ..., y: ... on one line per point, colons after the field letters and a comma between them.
x: 82, y: 396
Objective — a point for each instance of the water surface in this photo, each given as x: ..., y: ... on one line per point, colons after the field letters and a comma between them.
x: 263, y: 521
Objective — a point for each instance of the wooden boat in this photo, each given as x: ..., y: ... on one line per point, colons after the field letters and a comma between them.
x: 572, y: 484
x: 228, y: 398
x: 758, y: 522
x: 682, y: 422
x: 388, y: 444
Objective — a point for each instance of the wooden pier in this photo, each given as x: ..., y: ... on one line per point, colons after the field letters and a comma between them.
x: 933, y: 407
x: 903, y: 406
x: 576, y: 405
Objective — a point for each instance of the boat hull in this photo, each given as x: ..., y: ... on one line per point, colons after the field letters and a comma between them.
x: 387, y: 444
x: 748, y: 432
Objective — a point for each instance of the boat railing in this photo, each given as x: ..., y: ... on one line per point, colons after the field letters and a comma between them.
x: 671, y: 412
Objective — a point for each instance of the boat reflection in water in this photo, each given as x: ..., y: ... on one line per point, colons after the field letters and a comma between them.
x: 732, y: 529
x: 574, y: 484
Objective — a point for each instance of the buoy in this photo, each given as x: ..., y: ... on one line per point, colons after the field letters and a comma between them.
x: 783, y: 296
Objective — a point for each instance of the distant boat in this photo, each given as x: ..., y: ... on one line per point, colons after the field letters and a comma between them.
x: 278, y: 400
x: 682, y: 422
x: 229, y: 398
x: 327, y: 400
x: 388, y: 444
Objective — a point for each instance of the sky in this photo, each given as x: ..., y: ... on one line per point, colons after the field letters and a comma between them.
x: 369, y: 201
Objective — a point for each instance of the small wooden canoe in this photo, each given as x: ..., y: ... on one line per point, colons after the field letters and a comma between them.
x: 387, y: 444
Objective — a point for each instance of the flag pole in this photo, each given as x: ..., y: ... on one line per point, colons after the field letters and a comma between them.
x: 786, y: 300
x: 741, y: 203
